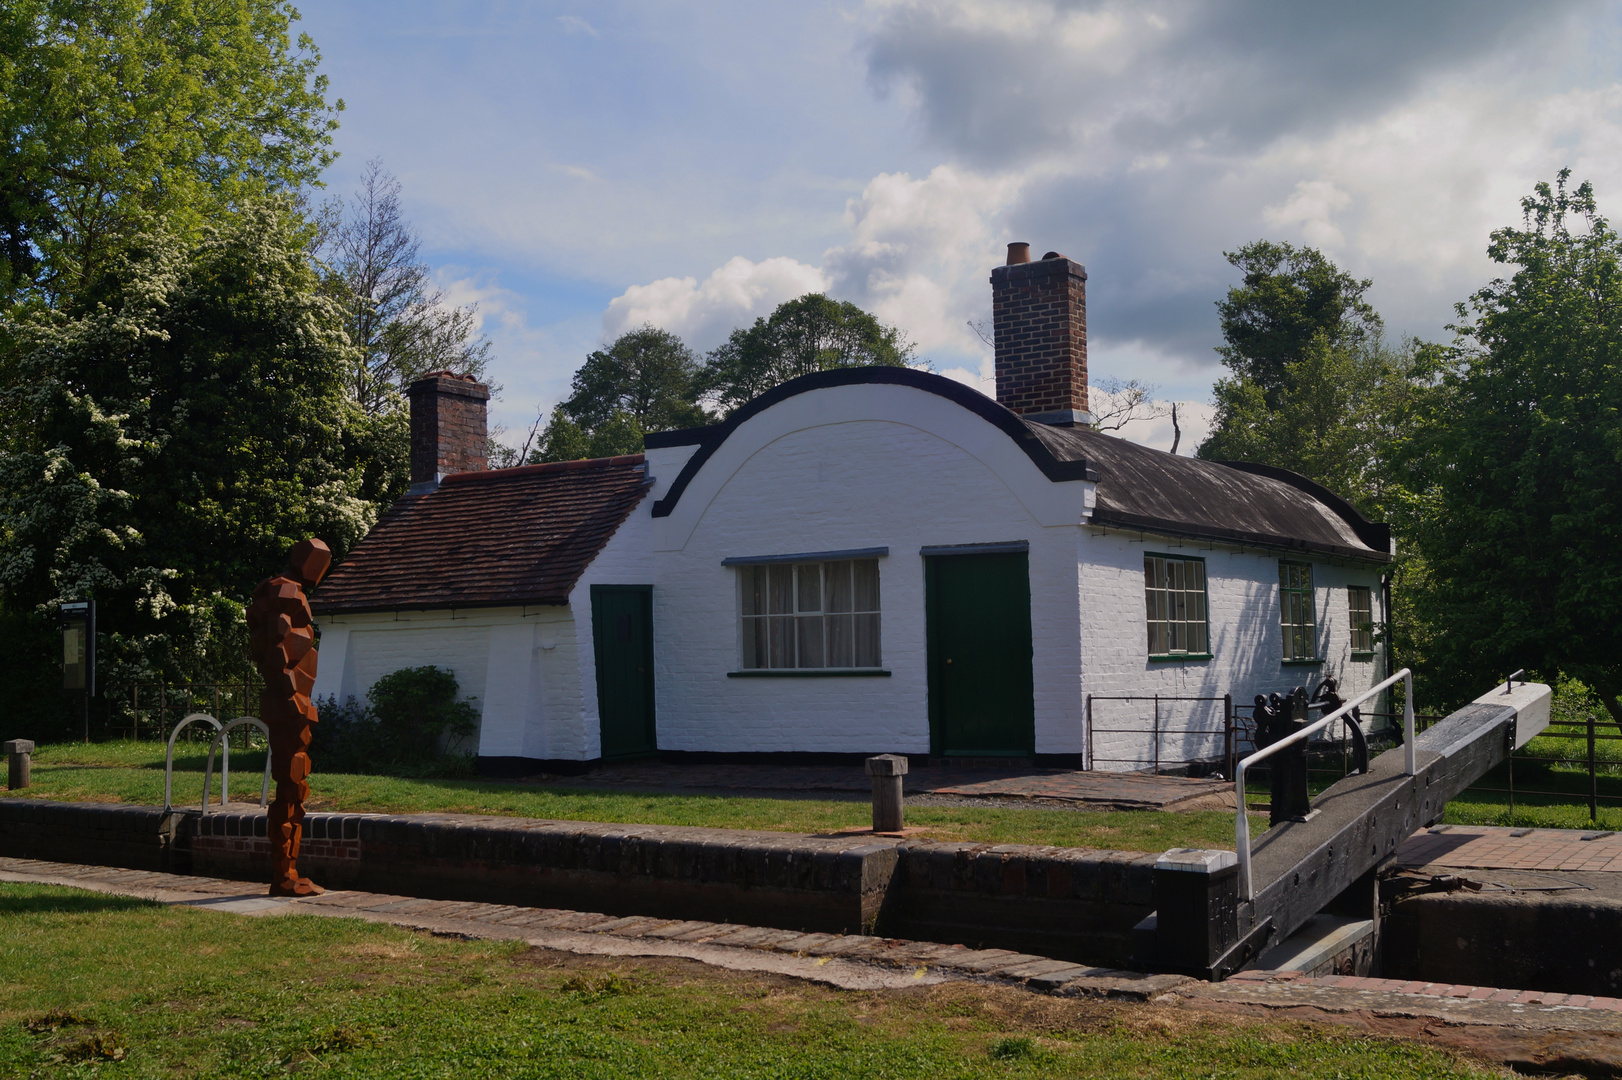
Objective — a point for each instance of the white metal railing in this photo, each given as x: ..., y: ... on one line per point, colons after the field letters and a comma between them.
x: 1241, y: 827
x: 221, y: 736
x: 169, y: 760
x: 224, y: 738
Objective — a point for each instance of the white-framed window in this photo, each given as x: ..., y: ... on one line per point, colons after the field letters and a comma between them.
x: 1174, y: 594
x: 810, y: 615
x: 1298, y: 611
x: 1360, y: 604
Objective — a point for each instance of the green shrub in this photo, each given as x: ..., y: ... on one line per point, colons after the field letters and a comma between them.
x: 417, y: 707
x: 411, y: 717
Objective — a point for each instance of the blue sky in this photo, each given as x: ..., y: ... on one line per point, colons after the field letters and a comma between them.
x: 577, y: 170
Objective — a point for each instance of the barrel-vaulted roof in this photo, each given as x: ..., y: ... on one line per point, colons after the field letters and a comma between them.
x: 1138, y: 487
x: 497, y: 538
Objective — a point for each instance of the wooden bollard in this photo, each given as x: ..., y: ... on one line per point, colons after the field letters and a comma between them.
x: 17, y: 767
x: 887, y: 771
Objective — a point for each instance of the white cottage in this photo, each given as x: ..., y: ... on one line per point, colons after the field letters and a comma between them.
x: 861, y: 561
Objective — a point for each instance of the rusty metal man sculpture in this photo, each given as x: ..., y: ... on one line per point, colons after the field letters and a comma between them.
x: 281, y: 639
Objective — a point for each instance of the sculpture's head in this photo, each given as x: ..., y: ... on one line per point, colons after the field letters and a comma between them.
x: 308, y: 561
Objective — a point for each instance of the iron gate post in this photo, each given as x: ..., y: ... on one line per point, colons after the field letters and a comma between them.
x: 1593, y: 784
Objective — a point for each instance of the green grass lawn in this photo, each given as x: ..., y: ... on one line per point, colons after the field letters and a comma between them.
x: 113, y: 987
x: 132, y: 772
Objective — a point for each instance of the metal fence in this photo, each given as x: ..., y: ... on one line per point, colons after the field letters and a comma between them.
x: 151, y: 710
x: 1216, y: 735
x: 1219, y: 741
x: 1586, y: 733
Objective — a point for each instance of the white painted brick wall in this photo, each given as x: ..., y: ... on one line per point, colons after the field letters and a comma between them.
x: 1246, y: 641
x: 845, y: 468
x: 856, y: 467
x: 518, y: 665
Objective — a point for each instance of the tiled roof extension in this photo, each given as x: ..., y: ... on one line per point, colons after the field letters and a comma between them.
x: 499, y: 538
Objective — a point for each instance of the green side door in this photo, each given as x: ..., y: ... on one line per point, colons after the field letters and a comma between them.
x: 622, y: 637
x: 978, y: 609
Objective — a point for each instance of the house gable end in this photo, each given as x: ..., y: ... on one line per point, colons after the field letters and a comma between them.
x: 711, y: 439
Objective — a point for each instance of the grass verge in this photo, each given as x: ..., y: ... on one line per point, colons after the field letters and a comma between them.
x: 132, y: 772
x: 106, y: 986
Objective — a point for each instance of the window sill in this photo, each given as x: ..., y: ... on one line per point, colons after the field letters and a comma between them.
x: 1307, y: 662
x: 806, y: 673
x: 1362, y: 655
x: 1180, y: 656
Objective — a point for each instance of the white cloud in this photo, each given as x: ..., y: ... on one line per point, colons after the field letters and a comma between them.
x: 574, y: 24
x: 701, y: 163
x: 577, y: 172
x: 917, y: 257
x: 532, y: 362
x: 920, y: 250
x: 1311, y: 209
x: 704, y: 313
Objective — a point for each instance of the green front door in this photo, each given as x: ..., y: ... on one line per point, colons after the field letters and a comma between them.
x: 622, y: 636
x: 979, y: 614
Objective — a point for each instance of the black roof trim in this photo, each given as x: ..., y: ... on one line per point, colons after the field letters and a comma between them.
x: 807, y: 556
x: 1144, y: 523
x: 710, y: 439
x: 690, y: 436
x: 1376, y: 534
x: 1007, y: 547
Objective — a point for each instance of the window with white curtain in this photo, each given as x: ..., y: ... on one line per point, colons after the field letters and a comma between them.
x: 810, y: 615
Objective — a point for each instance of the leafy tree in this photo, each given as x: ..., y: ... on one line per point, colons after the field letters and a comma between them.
x: 811, y: 333
x: 647, y: 374
x: 645, y: 381
x: 399, y: 323
x: 1315, y: 388
x: 1289, y: 297
x: 565, y: 440
x: 1524, y: 457
x: 187, y: 428
x: 1341, y: 415
x: 116, y: 116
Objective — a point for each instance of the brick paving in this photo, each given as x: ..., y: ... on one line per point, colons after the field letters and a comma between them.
x: 1083, y: 789
x: 1430, y: 990
x: 1486, y: 847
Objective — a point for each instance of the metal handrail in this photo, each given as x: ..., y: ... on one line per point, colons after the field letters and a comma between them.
x: 1241, y: 827
x: 224, y: 735
x: 169, y: 761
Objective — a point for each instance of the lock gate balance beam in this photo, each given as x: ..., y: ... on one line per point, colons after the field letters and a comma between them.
x: 1205, y: 926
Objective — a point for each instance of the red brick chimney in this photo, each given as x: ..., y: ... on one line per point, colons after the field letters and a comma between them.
x: 448, y: 427
x: 1039, y: 322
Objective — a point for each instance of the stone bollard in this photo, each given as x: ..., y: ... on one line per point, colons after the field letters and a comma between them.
x: 18, y: 750
x: 887, y: 771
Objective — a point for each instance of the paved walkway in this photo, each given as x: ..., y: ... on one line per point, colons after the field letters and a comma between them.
x: 1486, y: 847
x: 1531, y: 1030
x: 853, y: 961
x: 1056, y: 787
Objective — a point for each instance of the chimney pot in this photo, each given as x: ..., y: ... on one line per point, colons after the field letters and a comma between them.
x: 1019, y: 253
x: 449, y: 427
